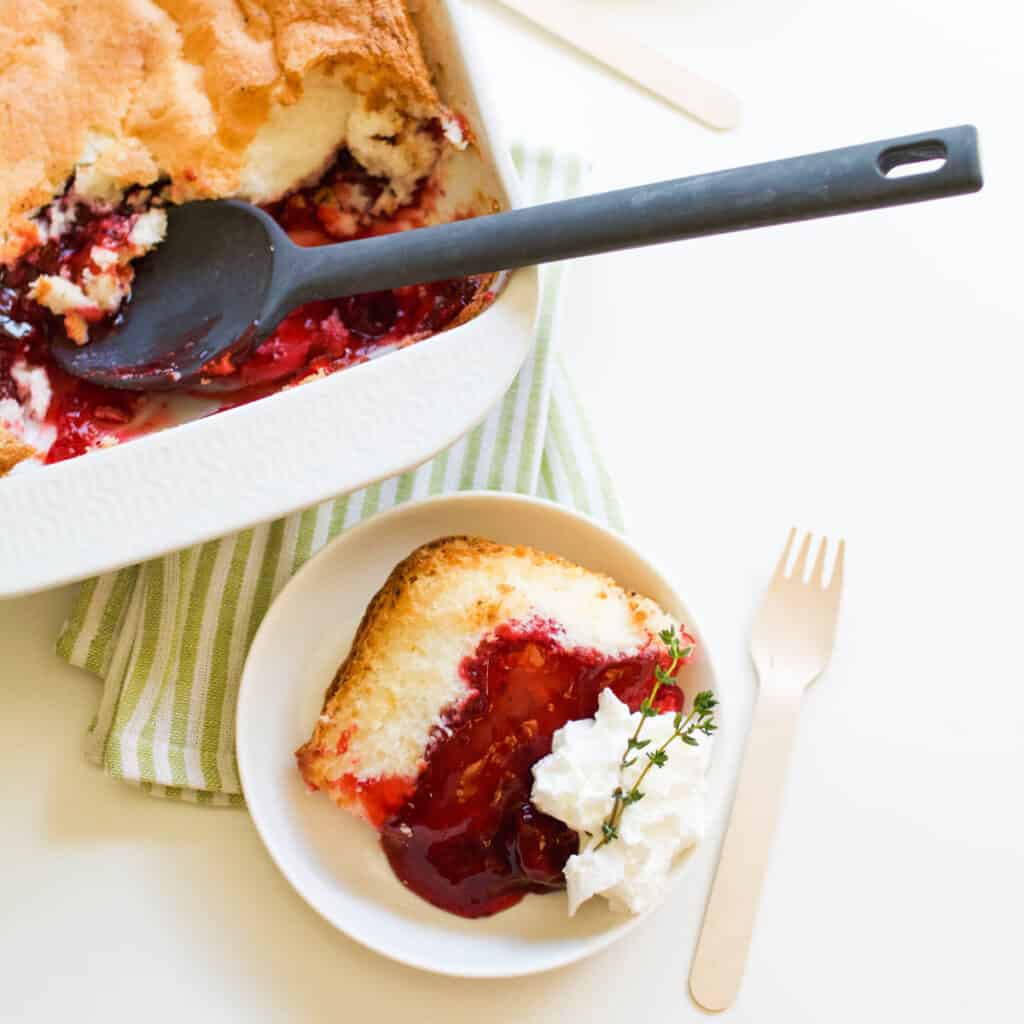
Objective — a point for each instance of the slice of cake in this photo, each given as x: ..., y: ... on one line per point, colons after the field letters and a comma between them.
x: 466, y: 662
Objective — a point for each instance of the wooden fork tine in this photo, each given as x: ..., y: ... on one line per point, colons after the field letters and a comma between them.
x: 800, y: 565
x: 780, y: 569
x: 836, y: 583
x: 818, y: 572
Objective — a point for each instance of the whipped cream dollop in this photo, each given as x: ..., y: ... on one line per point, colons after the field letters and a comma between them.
x: 575, y: 782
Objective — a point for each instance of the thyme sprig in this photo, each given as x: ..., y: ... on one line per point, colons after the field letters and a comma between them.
x: 700, y: 720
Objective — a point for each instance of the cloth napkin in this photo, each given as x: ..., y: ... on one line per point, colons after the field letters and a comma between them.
x: 168, y: 638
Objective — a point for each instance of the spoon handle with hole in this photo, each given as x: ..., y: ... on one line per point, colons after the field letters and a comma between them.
x: 783, y: 191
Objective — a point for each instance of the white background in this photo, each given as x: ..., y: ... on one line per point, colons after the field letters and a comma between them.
x: 858, y: 377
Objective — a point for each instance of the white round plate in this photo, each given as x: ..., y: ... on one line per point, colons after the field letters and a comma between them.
x: 330, y: 857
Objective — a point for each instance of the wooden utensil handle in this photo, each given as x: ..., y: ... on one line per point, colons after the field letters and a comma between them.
x: 736, y: 891
x: 629, y: 56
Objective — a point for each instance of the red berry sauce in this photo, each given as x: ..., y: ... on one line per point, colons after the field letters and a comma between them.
x: 321, y: 337
x: 468, y: 839
x: 83, y: 414
x: 331, y: 335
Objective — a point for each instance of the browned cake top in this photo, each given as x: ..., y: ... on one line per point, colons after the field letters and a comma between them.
x: 177, y: 88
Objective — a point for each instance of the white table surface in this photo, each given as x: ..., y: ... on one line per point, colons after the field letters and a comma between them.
x: 859, y: 377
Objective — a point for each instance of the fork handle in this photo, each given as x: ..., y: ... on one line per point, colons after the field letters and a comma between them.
x: 724, y: 941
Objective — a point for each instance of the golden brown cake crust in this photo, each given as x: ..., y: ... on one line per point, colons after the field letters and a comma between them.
x: 404, y: 660
x: 398, y: 601
x: 12, y: 451
x: 181, y: 86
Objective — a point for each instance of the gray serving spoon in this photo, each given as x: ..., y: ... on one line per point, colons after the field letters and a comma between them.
x: 228, y: 274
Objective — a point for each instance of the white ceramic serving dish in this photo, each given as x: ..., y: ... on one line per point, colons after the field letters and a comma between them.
x: 212, y: 476
x: 332, y: 859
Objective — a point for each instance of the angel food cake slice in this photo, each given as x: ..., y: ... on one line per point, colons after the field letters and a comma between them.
x: 323, y: 111
x: 467, y: 661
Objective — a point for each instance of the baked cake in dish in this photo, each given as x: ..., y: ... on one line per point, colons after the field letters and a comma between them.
x: 322, y: 111
x: 467, y: 661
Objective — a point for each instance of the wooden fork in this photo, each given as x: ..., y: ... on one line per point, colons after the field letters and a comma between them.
x: 791, y: 644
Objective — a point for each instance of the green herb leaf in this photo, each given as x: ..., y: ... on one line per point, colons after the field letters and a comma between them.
x: 700, y: 720
x: 704, y: 703
x: 635, y: 744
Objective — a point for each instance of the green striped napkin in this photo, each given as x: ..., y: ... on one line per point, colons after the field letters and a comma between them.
x: 168, y: 638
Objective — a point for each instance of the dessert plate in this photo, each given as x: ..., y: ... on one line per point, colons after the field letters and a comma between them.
x: 333, y: 860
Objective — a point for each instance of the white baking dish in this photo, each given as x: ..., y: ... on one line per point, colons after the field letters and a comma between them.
x: 212, y: 476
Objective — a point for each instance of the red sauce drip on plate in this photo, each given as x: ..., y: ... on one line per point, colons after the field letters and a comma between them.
x: 468, y: 839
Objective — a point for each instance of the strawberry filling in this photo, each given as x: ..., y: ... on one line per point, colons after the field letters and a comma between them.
x: 466, y: 837
x: 319, y: 338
